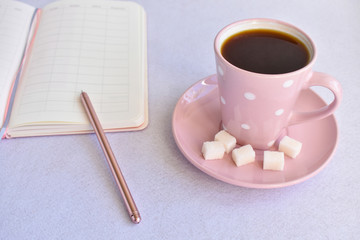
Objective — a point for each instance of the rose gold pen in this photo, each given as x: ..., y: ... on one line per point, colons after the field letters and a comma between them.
x: 119, y: 178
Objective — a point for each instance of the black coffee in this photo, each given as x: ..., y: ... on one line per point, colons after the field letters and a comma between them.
x: 265, y: 51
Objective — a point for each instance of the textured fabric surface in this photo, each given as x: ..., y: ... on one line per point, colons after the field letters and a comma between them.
x: 60, y: 187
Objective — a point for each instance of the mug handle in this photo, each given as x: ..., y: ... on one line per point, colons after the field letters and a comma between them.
x: 324, y: 80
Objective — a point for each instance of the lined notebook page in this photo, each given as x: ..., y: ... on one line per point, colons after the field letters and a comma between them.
x: 84, y: 45
x: 15, y: 19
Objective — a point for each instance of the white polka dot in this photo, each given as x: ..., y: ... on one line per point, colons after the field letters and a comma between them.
x: 245, y: 126
x: 220, y: 71
x: 271, y: 143
x: 279, y: 112
x: 288, y: 83
x: 249, y: 96
x: 222, y: 100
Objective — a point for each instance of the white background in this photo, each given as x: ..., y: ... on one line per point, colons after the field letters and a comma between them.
x: 60, y: 187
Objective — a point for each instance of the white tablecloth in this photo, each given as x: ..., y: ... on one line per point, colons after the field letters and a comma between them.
x: 60, y: 187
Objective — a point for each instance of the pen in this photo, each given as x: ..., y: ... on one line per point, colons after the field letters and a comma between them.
x: 115, y: 169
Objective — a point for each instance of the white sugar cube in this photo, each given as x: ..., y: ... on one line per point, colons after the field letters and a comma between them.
x: 290, y: 146
x: 243, y: 155
x: 228, y: 140
x: 273, y: 160
x: 213, y: 150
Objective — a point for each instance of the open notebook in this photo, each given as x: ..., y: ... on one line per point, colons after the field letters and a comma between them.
x: 48, y: 56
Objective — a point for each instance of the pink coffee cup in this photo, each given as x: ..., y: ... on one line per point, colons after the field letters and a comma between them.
x: 256, y: 107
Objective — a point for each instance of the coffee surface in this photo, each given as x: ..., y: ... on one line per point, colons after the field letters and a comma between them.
x: 265, y: 51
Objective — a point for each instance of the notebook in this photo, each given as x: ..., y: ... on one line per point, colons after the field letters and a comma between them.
x: 48, y: 56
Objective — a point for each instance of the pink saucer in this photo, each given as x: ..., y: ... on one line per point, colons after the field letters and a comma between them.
x: 197, y: 119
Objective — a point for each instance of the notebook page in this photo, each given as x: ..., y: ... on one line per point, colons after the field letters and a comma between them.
x: 15, y: 20
x: 95, y: 46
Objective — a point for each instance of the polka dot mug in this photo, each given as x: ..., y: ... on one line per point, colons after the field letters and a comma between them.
x: 257, y: 107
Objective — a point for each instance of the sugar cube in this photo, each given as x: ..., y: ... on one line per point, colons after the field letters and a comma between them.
x: 243, y: 155
x: 290, y: 146
x: 273, y: 160
x: 213, y: 150
x: 228, y: 140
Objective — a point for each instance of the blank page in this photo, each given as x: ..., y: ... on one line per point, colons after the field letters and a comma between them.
x: 15, y: 20
x: 95, y: 46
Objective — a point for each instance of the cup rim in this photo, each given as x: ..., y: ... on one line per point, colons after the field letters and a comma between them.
x: 217, y: 45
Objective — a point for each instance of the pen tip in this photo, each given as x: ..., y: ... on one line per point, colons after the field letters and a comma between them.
x: 135, y: 218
